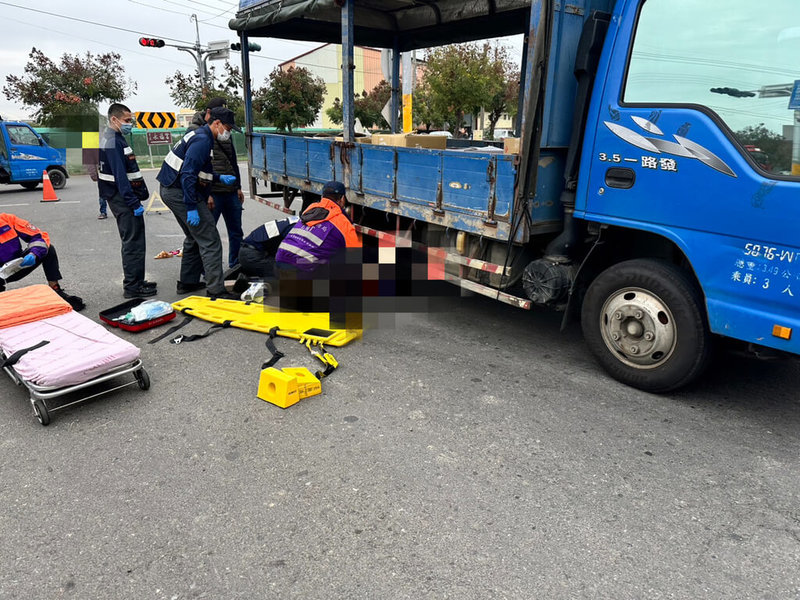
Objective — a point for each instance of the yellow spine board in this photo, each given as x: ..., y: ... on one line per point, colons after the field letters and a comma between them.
x: 262, y: 318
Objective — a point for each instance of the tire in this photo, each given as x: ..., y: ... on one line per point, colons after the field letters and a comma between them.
x: 30, y: 185
x: 143, y: 379
x: 58, y: 178
x: 41, y: 412
x: 644, y: 322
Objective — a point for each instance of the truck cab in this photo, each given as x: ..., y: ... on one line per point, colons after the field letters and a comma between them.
x: 630, y: 199
x: 24, y: 156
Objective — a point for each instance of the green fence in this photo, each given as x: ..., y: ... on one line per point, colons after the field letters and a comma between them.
x: 81, y: 146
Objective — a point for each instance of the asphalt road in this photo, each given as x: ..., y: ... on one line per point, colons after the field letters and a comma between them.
x: 471, y: 453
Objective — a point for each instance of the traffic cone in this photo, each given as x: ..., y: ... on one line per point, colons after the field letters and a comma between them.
x: 48, y: 193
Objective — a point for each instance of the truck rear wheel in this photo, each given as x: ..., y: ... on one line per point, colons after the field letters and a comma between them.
x: 58, y: 178
x: 643, y: 321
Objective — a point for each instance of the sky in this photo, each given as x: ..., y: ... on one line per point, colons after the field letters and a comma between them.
x: 149, y: 67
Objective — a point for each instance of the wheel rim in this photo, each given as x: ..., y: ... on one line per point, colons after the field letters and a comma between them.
x: 56, y: 178
x: 638, y: 327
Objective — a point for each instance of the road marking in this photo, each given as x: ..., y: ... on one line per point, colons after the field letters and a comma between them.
x: 70, y: 201
x: 24, y: 204
x: 170, y: 235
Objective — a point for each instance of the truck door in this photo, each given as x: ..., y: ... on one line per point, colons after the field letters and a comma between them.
x: 4, y: 166
x: 28, y: 154
x: 687, y: 86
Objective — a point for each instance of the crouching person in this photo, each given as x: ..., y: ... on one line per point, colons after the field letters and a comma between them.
x: 18, y: 260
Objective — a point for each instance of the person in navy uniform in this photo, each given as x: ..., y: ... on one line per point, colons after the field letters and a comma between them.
x: 122, y: 186
x: 186, y: 177
x: 257, y: 255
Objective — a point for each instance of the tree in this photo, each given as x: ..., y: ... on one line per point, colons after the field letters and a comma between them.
x: 292, y: 98
x: 777, y: 149
x: 460, y: 80
x: 368, y: 107
x: 426, y: 111
x: 463, y: 79
x: 504, y: 89
x: 185, y: 91
x: 67, y: 94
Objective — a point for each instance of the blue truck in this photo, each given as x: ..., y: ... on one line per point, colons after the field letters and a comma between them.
x: 25, y: 155
x: 632, y: 202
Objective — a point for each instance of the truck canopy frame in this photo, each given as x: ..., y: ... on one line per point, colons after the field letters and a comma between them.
x: 413, y: 24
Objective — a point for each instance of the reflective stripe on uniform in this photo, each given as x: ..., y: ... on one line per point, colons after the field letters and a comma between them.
x: 173, y: 161
x: 132, y: 176
x: 128, y: 150
x: 189, y: 136
x: 299, y: 252
x: 272, y: 229
x: 205, y: 176
x: 308, y: 235
x: 38, y: 244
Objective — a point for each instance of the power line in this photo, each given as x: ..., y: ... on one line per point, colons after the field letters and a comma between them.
x: 44, y: 12
x: 227, y: 10
x: 174, y: 12
x: 72, y: 35
x: 185, y: 14
x: 192, y: 7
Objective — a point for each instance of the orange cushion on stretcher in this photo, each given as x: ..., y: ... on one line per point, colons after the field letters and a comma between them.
x: 29, y: 304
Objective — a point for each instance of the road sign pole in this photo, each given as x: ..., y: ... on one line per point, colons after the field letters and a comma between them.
x: 150, y: 152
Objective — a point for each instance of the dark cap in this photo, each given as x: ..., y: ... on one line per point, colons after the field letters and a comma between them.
x: 333, y: 188
x: 216, y: 102
x: 225, y: 115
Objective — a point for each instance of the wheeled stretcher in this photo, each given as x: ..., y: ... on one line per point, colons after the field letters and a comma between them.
x: 54, y: 352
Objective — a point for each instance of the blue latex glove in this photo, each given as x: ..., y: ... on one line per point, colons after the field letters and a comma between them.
x: 28, y: 261
x: 193, y: 218
x: 227, y: 179
x: 138, y: 212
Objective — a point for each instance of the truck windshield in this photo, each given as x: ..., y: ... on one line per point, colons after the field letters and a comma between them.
x: 739, y: 58
x: 22, y: 135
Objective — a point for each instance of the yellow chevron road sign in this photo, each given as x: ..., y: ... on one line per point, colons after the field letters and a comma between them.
x: 155, y: 120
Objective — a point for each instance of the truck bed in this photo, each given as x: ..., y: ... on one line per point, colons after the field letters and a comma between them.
x: 467, y: 190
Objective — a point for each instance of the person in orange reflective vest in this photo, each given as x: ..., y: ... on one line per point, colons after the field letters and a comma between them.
x: 18, y: 261
x: 323, y: 230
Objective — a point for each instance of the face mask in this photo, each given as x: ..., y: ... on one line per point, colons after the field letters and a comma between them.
x: 125, y: 128
x: 224, y: 136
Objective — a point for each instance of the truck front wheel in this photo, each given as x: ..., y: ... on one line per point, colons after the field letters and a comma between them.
x: 643, y: 321
x: 58, y: 178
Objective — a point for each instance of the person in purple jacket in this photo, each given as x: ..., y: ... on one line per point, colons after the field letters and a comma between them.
x: 323, y: 230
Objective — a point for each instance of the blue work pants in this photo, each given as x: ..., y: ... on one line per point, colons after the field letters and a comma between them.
x: 228, y: 205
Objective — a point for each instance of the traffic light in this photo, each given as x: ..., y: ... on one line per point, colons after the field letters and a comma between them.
x: 151, y: 42
x: 252, y: 46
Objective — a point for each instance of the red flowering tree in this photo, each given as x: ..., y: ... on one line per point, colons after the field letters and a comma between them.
x: 67, y: 94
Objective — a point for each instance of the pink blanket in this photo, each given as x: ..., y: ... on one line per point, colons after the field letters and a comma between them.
x: 79, y: 350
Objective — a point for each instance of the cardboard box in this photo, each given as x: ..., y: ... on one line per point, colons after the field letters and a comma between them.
x: 389, y: 139
x: 410, y: 140
x: 359, y: 140
x: 510, y: 145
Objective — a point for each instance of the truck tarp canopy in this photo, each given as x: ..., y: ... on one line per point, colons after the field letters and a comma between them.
x: 416, y: 23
